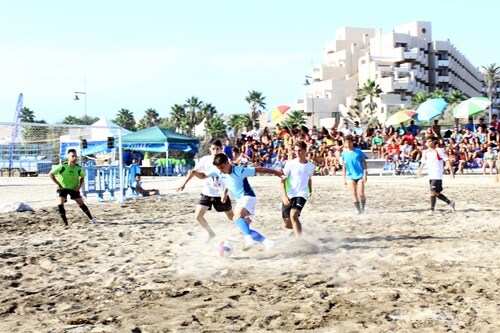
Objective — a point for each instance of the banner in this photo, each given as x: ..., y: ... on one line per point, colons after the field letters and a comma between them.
x: 15, y: 130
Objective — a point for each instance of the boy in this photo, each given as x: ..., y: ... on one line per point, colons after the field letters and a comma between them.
x: 235, y: 180
x: 137, y: 186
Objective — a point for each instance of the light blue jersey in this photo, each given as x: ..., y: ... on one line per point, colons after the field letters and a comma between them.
x: 236, y: 182
x: 353, y: 163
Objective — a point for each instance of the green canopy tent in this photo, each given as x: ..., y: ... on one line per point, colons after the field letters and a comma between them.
x: 158, y: 140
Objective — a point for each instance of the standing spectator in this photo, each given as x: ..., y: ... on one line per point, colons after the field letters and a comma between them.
x: 228, y: 149
x: 413, y: 128
x: 435, y: 158
x: 470, y: 125
x: 436, y: 129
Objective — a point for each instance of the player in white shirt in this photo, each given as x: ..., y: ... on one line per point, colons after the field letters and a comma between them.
x: 435, y: 158
x: 213, y: 192
x: 296, y: 188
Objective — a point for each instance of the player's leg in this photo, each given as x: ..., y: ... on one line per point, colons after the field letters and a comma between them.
x: 353, y: 185
x: 60, y: 207
x: 361, y: 192
x: 199, y: 214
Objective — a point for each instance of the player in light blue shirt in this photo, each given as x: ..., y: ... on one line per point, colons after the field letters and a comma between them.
x: 355, y: 170
x: 236, y: 182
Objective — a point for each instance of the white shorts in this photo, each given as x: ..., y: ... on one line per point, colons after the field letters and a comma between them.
x: 248, y: 203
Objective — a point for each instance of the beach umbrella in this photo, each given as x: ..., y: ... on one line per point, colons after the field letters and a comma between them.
x: 430, y: 109
x: 276, y: 113
x: 471, y: 107
x: 399, y: 117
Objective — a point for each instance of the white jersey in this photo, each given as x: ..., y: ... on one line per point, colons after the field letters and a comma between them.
x: 298, y: 175
x: 434, y: 159
x: 212, y: 186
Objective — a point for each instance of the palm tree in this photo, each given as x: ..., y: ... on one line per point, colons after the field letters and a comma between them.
x: 194, y: 105
x: 71, y: 120
x: 215, y: 128
x: 150, y: 119
x: 257, y: 104
x: 369, y: 91
x: 208, y: 111
x: 294, y: 118
x: 438, y: 93
x: 177, y: 114
x: 419, y: 98
x: 491, y: 76
x: 125, y: 119
x: 27, y: 115
x: 238, y: 121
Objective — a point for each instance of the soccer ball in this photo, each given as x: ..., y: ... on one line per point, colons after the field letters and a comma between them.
x: 224, y: 249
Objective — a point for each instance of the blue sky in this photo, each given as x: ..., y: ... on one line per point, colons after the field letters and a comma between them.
x: 154, y: 54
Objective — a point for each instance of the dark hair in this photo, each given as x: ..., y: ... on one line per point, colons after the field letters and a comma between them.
x: 216, y: 142
x: 301, y: 144
x: 137, y: 174
x: 220, y: 159
x: 72, y: 150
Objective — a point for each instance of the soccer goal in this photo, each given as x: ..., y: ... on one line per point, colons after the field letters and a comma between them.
x: 33, y: 149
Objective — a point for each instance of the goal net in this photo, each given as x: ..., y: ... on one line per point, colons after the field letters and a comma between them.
x: 33, y: 149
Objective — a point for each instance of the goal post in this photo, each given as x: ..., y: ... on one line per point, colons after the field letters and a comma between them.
x: 32, y: 149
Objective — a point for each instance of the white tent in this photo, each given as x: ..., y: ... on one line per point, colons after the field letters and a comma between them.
x: 96, y: 135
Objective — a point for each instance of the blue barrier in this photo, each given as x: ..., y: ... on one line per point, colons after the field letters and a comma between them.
x: 100, y: 180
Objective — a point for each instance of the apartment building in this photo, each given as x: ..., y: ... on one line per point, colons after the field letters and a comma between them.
x: 402, y: 62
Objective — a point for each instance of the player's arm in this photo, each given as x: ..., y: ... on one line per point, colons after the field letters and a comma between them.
x: 270, y: 171
x: 82, y: 179
x: 365, y: 168
x: 188, y: 178
x: 54, y: 179
x: 199, y: 174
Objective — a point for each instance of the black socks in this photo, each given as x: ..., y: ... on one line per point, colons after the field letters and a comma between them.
x: 62, y: 212
x: 86, y: 210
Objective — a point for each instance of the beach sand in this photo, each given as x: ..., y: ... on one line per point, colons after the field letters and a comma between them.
x: 147, y: 265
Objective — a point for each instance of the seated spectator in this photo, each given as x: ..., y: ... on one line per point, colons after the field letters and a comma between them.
x: 345, y: 129
x: 463, y: 159
x: 408, y: 138
x: 456, y: 135
x: 401, y: 129
x: 470, y: 125
x: 481, y: 134
x: 331, y: 165
x: 482, y: 125
x: 436, y: 129
x: 488, y: 160
x: 392, y: 152
x: 357, y: 128
x: 415, y: 152
x: 405, y: 149
x: 376, y: 146
x: 492, y: 137
x: 137, y: 187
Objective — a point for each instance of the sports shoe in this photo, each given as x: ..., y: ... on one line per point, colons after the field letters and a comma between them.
x: 452, y: 206
x: 93, y: 220
x: 268, y: 244
x: 249, y: 240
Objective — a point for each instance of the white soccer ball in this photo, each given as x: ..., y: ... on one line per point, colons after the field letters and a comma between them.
x: 224, y: 248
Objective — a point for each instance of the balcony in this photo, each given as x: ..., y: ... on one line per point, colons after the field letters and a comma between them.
x: 443, y: 63
x: 410, y: 55
x: 441, y: 78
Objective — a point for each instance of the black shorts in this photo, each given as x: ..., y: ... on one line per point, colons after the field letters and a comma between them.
x: 72, y: 194
x: 436, y: 185
x: 219, y: 206
x: 297, y: 203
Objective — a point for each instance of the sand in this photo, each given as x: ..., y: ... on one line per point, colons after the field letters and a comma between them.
x: 147, y: 265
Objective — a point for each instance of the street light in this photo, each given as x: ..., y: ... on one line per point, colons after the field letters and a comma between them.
x: 307, y: 83
x: 77, y: 99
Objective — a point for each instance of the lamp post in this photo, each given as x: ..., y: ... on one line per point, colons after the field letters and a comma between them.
x: 84, y: 92
x: 307, y: 83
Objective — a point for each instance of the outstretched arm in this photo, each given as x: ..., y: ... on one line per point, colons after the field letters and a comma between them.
x: 188, y: 178
x: 270, y: 171
x: 199, y: 174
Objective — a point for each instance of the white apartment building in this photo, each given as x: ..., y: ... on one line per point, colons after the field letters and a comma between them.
x: 402, y: 63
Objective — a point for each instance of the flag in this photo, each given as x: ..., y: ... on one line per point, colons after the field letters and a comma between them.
x: 15, y: 131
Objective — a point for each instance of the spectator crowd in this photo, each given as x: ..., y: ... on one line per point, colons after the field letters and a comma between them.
x: 473, y: 145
